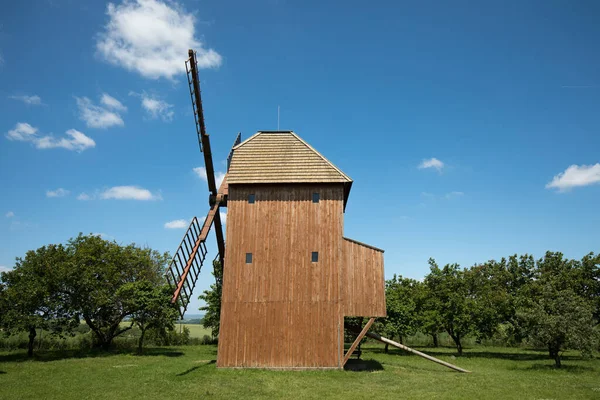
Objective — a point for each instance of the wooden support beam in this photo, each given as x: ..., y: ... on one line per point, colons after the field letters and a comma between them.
x: 426, y: 356
x: 360, y: 336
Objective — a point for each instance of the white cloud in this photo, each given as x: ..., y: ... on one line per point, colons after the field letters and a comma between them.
x: 84, y: 196
x: 9, y: 214
x: 453, y: 195
x: 97, y: 117
x: 78, y: 142
x: 103, y: 236
x: 31, y: 100
x: 60, y: 192
x: 432, y: 163
x: 574, y: 176
x: 201, y: 172
x: 22, y: 132
x: 223, y: 217
x: 26, y: 133
x: 152, y: 38
x: 128, y: 193
x: 177, y: 224
x: 157, y: 108
x: 5, y: 268
x: 111, y: 102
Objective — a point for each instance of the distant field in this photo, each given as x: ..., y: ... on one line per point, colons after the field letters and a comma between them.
x: 189, y: 372
x: 196, y: 330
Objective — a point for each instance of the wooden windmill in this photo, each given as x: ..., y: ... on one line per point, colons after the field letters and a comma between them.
x: 289, y: 275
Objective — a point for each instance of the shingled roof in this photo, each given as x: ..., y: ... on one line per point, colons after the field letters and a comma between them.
x: 282, y: 157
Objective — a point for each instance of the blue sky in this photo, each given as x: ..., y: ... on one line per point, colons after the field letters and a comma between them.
x: 471, y: 129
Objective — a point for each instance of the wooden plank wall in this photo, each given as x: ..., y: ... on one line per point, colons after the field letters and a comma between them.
x: 282, y: 310
x: 363, y: 287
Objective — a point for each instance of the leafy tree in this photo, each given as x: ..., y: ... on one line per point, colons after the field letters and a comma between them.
x: 32, y: 295
x: 401, y: 308
x: 451, y: 297
x: 551, y: 308
x: 152, y: 308
x: 518, y: 276
x: 427, y: 308
x: 559, y: 319
x: 98, y: 270
x: 488, y: 296
x: 587, y: 282
x: 212, y: 298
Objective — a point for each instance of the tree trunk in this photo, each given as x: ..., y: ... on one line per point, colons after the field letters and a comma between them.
x: 557, y: 360
x: 457, y: 342
x: 551, y: 351
x: 401, y: 340
x: 554, y: 351
x: 387, y: 346
x: 141, y: 342
x: 32, y: 335
x: 435, y: 339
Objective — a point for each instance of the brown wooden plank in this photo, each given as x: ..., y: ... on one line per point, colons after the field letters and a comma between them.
x: 363, y: 280
x: 292, y: 294
x: 360, y: 336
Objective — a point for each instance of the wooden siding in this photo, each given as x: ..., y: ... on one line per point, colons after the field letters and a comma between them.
x: 282, y: 310
x: 363, y: 287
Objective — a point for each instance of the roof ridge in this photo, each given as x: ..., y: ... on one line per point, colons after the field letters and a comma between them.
x: 246, y: 141
x: 321, y: 155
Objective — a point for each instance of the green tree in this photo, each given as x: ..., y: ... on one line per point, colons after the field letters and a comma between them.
x: 555, y: 309
x: 429, y: 320
x: 212, y: 300
x: 454, y: 302
x: 488, y: 296
x: 400, y: 308
x: 32, y: 295
x: 587, y: 282
x: 152, y: 308
x: 559, y: 319
x: 98, y: 269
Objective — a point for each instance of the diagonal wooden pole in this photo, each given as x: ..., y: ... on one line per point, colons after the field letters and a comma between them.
x: 360, y: 336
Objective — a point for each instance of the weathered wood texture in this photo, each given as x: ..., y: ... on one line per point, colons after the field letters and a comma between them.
x: 363, y: 287
x: 282, y: 310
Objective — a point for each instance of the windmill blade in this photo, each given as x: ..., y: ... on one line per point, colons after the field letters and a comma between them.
x: 221, y: 199
x: 191, y: 67
x: 187, y: 262
x: 185, y: 266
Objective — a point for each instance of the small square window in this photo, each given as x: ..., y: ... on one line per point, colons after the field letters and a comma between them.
x: 251, y: 198
x: 315, y: 256
x: 248, y: 258
x: 315, y: 197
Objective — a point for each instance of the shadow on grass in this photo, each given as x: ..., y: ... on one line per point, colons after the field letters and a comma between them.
x: 529, y: 356
x: 526, y: 355
x: 578, y: 369
x: 54, y: 355
x: 363, y: 365
x: 2, y: 372
x: 196, y: 367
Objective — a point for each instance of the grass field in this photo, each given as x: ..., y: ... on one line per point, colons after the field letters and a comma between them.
x: 196, y: 330
x: 189, y: 372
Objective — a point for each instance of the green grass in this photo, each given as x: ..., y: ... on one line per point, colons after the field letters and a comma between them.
x: 196, y: 330
x: 190, y: 372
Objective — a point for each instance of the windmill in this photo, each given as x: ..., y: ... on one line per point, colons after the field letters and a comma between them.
x: 189, y: 258
x: 289, y: 274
